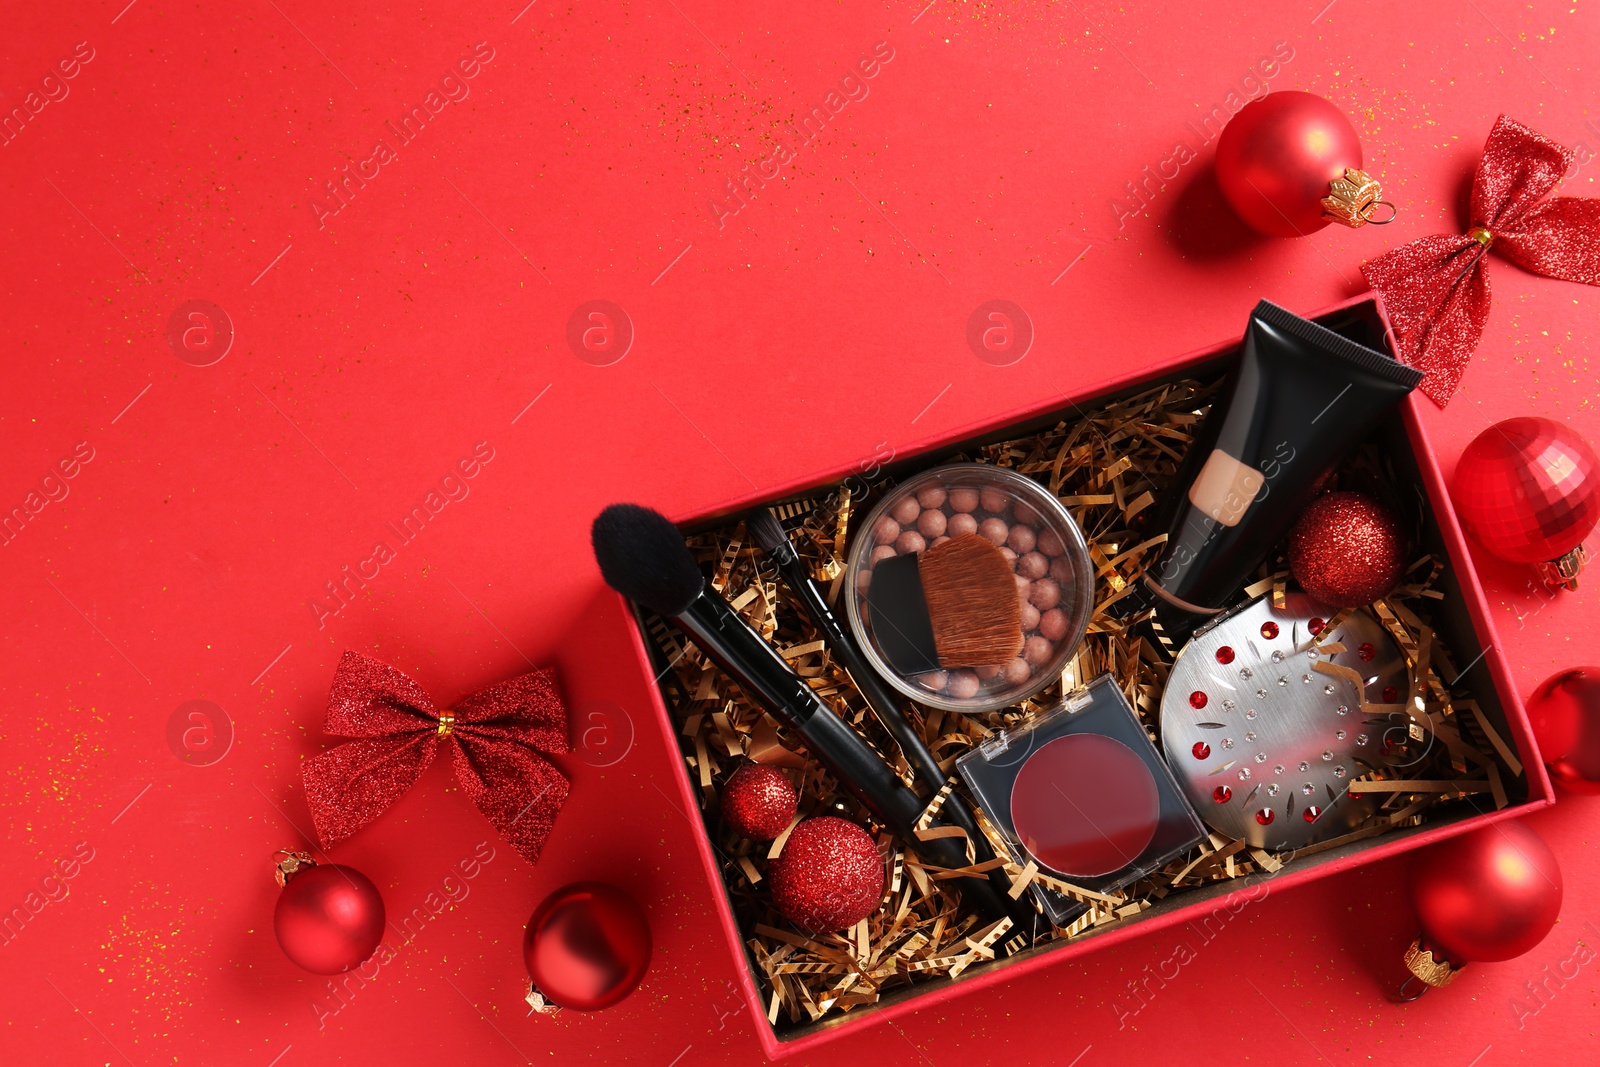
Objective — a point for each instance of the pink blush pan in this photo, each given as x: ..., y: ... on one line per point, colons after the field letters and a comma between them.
x: 1085, y: 805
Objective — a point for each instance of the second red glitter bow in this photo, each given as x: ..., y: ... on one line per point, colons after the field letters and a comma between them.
x: 501, y: 735
x: 1436, y: 290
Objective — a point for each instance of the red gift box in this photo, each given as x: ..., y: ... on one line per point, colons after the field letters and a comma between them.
x: 607, y: 653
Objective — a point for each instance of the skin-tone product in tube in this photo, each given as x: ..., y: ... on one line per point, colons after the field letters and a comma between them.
x: 1298, y: 399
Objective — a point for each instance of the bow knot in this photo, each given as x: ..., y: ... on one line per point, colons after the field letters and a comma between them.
x: 502, y: 735
x: 1436, y: 290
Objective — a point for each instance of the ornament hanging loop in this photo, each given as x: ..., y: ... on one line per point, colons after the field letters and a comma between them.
x: 1405, y: 994
x: 1372, y: 212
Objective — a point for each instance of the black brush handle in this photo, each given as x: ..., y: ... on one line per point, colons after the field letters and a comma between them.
x: 886, y: 705
x: 765, y: 677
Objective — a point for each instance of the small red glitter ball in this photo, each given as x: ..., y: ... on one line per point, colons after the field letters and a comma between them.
x: 828, y: 877
x: 1265, y: 816
x: 1311, y: 813
x: 1225, y: 655
x: 1200, y: 750
x: 1222, y: 794
x: 758, y: 801
x: 1269, y: 630
x: 1347, y: 550
x: 1197, y: 700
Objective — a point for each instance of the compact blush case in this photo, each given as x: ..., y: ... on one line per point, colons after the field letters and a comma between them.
x: 1080, y: 792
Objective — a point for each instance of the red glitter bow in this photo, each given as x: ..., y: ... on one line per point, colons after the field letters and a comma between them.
x: 500, y: 732
x: 1436, y: 290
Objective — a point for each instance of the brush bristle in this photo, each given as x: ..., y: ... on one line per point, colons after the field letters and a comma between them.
x: 765, y: 529
x: 972, y: 600
x: 643, y: 557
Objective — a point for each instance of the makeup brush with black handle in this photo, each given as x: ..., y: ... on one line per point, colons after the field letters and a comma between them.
x: 768, y: 533
x: 643, y: 557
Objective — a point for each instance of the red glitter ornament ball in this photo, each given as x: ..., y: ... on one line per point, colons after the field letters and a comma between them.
x: 1347, y: 550
x: 1529, y: 490
x: 758, y: 802
x: 329, y: 917
x: 1491, y: 894
x: 1278, y: 157
x: 1565, y: 713
x: 828, y: 877
x: 587, y: 946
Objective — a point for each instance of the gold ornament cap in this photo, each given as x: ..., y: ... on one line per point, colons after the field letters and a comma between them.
x: 537, y: 1003
x: 1435, y: 972
x: 291, y: 864
x: 1354, y: 198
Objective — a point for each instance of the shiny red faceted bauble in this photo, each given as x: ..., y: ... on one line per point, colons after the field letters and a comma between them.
x: 1565, y: 713
x: 1491, y: 894
x: 329, y: 918
x: 828, y: 877
x: 758, y: 802
x: 1278, y: 157
x: 1529, y: 489
x: 1347, y: 549
x: 587, y: 946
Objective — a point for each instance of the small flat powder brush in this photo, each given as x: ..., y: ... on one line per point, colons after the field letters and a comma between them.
x: 954, y: 605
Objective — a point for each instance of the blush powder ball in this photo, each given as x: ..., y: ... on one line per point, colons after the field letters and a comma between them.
x: 1038, y: 650
x: 994, y: 500
x: 963, y: 685
x: 995, y: 531
x: 1018, y: 671
x: 1347, y: 549
x: 1033, y: 565
x: 758, y: 802
x: 961, y: 523
x: 963, y: 500
x: 1046, y: 594
x: 1053, y: 624
x: 1025, y: 514
x: 1050, y: 544
x: 881, y: 553
x: 1030, y: 616
x: 931, y: 496
x: 885, y: 530
x: 931, y: 524
x: 828, y: 877
x: 910, y: 542
x: 1021, y: 539
x: 905, y: 511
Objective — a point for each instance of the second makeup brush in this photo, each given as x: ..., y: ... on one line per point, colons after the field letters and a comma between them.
x: 769, y: 534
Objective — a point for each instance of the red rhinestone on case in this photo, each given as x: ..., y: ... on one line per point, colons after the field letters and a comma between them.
x: 1366, y: 652
x: 1224, y: 655
x: 1269, y: 630
x: 1197, y: 700
x: 1315, y: 626
x: 1390, y: 694
x: 1265, y: 816
x: 1222, y: 794
x: 1311, y: 813
x: 1201, y: 750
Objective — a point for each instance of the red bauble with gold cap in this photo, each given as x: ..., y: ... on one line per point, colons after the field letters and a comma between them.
x: 1491, y: 894
x: 1290, y: 163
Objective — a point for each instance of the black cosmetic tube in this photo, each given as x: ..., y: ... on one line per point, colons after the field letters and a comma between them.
x: 1299, y: 398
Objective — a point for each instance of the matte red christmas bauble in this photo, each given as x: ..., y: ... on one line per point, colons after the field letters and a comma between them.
x: 758, y: 802
x: 1529, y: 489
x: 1347, y: 549
x: 829, y: 875
x: 587, y: 946
x: 1278, y: 159
x: 1565, y: 713
x: 329, y: 917
x: 1491, y: 894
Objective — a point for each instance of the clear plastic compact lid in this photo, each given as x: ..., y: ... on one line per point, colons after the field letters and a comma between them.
x: 1081, y: 791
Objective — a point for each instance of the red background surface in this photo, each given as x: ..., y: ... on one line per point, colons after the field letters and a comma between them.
x: 820, y: 322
